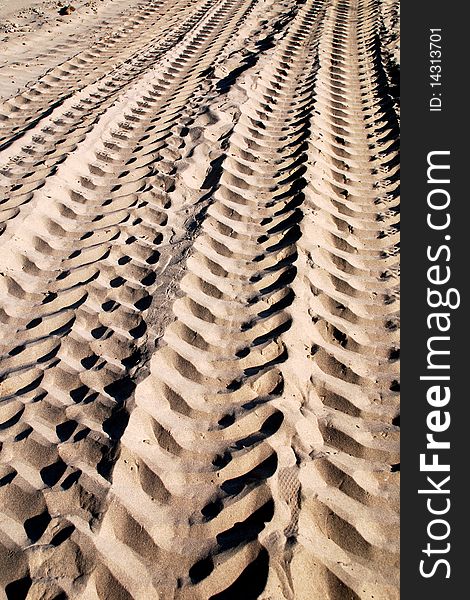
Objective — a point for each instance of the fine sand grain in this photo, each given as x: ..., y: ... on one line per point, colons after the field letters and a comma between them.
x: 199, y: 234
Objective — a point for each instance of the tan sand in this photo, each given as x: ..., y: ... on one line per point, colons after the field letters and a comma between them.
x: 199, y: 301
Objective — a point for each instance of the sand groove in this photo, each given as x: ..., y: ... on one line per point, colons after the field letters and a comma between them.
x: 200, y: 447
x: 25, y: 58
x: 30, y: 161
x: 199, y: 308
x: 130, y: 40
x: 350, y: 265
x: 72, y: 353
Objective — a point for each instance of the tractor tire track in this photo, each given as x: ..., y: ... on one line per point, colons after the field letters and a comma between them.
x: 199, y: 308
x: 28, y: 164
x: 23, y: 111
x: 79, y: 275
x: 202, y: 442
x: 27, y: 57
x: 348, y: 519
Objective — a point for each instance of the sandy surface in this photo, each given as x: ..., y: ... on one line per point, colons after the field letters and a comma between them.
x: 199, y: 233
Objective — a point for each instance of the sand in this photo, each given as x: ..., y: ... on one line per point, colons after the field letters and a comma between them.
x: 199, y: 303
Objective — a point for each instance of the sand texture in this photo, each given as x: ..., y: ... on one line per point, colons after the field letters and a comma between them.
x: 199, y: 235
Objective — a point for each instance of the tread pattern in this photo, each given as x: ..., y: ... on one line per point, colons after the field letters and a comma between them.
x: 205, y: 420
x: 199, y: 308
x: 350, y: 238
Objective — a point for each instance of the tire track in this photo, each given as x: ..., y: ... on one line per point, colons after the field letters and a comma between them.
x: 27, y: 166
x: 200, y: 463
x: 109, y: 52
x: 348, y: 501
x: 199, y: 309
x: 25, y: 58
x: 74, y: 362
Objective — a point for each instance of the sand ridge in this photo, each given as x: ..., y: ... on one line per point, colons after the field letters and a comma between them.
x: 199, y: 307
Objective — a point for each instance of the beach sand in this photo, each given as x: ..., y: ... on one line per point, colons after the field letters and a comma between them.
x: 199, y: 300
